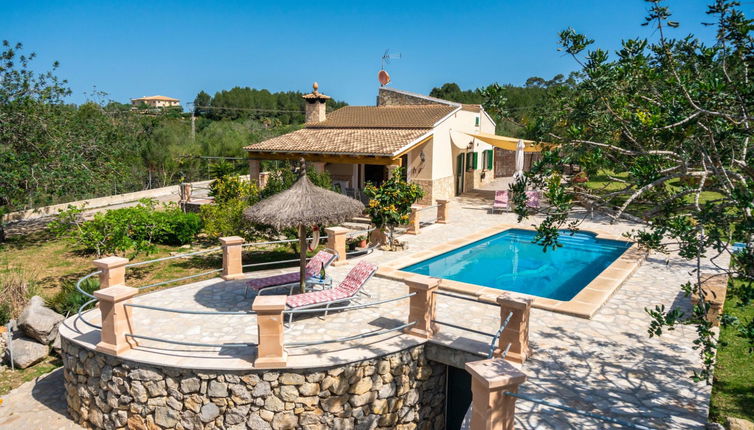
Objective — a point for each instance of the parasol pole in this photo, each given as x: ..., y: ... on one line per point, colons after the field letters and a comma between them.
x: 302, y: 254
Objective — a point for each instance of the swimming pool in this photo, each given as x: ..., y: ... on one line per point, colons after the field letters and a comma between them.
x: 510, y: 261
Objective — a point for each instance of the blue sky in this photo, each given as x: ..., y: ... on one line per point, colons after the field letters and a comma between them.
x: 137, y: 48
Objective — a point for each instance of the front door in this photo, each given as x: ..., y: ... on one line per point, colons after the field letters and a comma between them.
x: 460, y: 171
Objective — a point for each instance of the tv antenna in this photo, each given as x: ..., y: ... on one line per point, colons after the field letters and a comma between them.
x: 387, y: 57
x: 383, y: 76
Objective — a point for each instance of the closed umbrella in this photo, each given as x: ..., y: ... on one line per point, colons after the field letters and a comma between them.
x: 519, y: 159
x: 303, y: 204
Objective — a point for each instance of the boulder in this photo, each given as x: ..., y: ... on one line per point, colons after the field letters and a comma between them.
x: 40, y: 322
x: 27, y: 352
x: 739, y: 424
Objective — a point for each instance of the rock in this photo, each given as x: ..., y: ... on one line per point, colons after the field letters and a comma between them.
x: 284, y: 421
x: 217, y: 389
x: 166, y: 417
x: 362, y: 386
x: 255, y: 422
x: 145, y: 375
x: 739, y: 424
x: 309, y: 389
x: 292, y: 379
x: 713, y: 426
x: 27, y: 352
x: 262, y: 389
x: 136, y: 422
x: 40, y: 322
x: 274, y: 404
x: 288, y: 393
x: 209, y: 412
x: 190, y: 385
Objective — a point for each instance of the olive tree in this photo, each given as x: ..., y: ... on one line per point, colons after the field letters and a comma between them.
x: 666, y: 126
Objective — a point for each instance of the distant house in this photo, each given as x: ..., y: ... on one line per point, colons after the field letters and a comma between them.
x: 155, y: 102
x: 445, y: 147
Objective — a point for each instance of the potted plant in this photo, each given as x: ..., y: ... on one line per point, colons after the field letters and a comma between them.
x: 362, y: 241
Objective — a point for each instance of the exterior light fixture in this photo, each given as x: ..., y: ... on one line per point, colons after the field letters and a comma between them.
x: 422, y: 156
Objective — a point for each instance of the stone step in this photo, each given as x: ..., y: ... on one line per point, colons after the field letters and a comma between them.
x: 355, y: 226
x: 361, y: 219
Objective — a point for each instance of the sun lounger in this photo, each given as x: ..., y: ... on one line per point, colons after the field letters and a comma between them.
x: 292, y: 279
x: 346, y: 290
x: 502, y: 201
x: 532, y: 199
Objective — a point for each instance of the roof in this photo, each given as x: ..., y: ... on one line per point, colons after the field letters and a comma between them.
x: 413, y: 116
x: 471, y: 108
x: 163, y: 98
x: 356, y: 141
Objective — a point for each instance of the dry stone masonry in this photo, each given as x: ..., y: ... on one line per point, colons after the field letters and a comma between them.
x: 402, y: 390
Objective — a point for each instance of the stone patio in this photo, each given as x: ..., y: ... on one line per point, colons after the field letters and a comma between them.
x: 605, y: 365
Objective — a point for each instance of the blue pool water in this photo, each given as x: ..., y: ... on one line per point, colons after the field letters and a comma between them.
x: 510, y: 261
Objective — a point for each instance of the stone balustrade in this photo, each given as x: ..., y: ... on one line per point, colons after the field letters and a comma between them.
x: 270, y: 349
x: 232, y: 261
x: 414, y: 218
x: 422, y: 306
x: 516, y: 332
x: 112, y: 271
x: 491, y: 408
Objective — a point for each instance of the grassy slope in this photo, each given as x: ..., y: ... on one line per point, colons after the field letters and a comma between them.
x: 733, y: 389
x: 51, y: 262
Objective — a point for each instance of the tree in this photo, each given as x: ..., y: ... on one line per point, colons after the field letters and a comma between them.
x: 390, y: 203
x: 666, y: 124
x: 201, y: 103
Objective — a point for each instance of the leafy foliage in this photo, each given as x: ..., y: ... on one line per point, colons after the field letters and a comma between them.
x: 68, y: 300
x: 136, y: 229
x: 668, y: 123
x: 390, y: 202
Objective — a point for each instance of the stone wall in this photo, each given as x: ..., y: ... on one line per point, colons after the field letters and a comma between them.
x: 389, y: 97
x: 402, y: 390
x: 443, y: 188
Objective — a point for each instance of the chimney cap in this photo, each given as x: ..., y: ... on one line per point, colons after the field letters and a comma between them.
x: 316, y: 95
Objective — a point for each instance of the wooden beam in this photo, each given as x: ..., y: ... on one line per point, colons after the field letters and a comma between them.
x: 324, y: 158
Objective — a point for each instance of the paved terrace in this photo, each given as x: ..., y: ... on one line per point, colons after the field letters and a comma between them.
x: 606, y: 364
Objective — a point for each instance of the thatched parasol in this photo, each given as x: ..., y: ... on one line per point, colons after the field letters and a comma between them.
x: 303, y: 204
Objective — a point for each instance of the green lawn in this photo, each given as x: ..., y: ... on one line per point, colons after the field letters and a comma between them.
x: 10, y: 379
x: 733, y: 389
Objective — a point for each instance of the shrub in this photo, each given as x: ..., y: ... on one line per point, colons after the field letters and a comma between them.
x: 69, y: 300
x: 136, y: 228
x: 228, y: 188
x: 227, y: 219
x: 16, y: 288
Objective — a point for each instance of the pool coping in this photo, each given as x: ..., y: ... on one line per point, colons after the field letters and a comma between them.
x: 584, y: 304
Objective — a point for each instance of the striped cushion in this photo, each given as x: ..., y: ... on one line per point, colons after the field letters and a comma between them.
x: 312, y: 269
x: 348, y: 288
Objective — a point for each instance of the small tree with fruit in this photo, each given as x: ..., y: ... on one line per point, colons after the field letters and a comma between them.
x: 390, y: 203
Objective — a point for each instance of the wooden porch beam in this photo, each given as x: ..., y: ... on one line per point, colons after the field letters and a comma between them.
x: 324, y: 158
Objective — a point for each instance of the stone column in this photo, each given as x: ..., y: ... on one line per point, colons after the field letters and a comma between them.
x: 336, y: 240
x: 422, y: 306
x: 491, y: 409
x: 442, y: 211
x: 413, y: 220
x: 264, y: 178
x: 254, y: 170
x: 517, y: 331
x: 113, y: 271
x: 271, y: 349
x: 232, y: 257
x: 116, y: 318
x: 185, y: 192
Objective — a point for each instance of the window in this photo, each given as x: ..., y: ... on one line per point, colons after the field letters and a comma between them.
x: 476, y: 122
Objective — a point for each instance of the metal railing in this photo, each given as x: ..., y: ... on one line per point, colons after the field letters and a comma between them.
x: 600, y: 417
x: 93, y: 299
x: 503, y: 326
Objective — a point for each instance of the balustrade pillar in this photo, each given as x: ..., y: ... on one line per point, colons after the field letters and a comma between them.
x: 517, y: 331
x: 413, y: 220
x: 270, y: 350
x: 112, y: 271
x: 422, y: 306
x: 116, y: 319
x: 442, y: 211
x: 336, y: 240
x: 232, y: 264
x: 491, y: 408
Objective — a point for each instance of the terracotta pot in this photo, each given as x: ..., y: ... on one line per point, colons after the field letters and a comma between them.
x: 363, y: 244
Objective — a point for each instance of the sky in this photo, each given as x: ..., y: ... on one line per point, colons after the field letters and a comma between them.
x: 135, y: 48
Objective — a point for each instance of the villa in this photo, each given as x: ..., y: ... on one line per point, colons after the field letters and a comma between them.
x: 447, y: 148
x: 155, y: 102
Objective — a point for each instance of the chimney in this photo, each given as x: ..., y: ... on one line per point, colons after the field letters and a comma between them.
x: 315, y: 105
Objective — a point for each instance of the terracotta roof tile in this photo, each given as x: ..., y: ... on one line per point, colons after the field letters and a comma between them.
x: 169, y: 99
x: 413, y: 116
x: 471, y: 107
x: 352, y: 141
